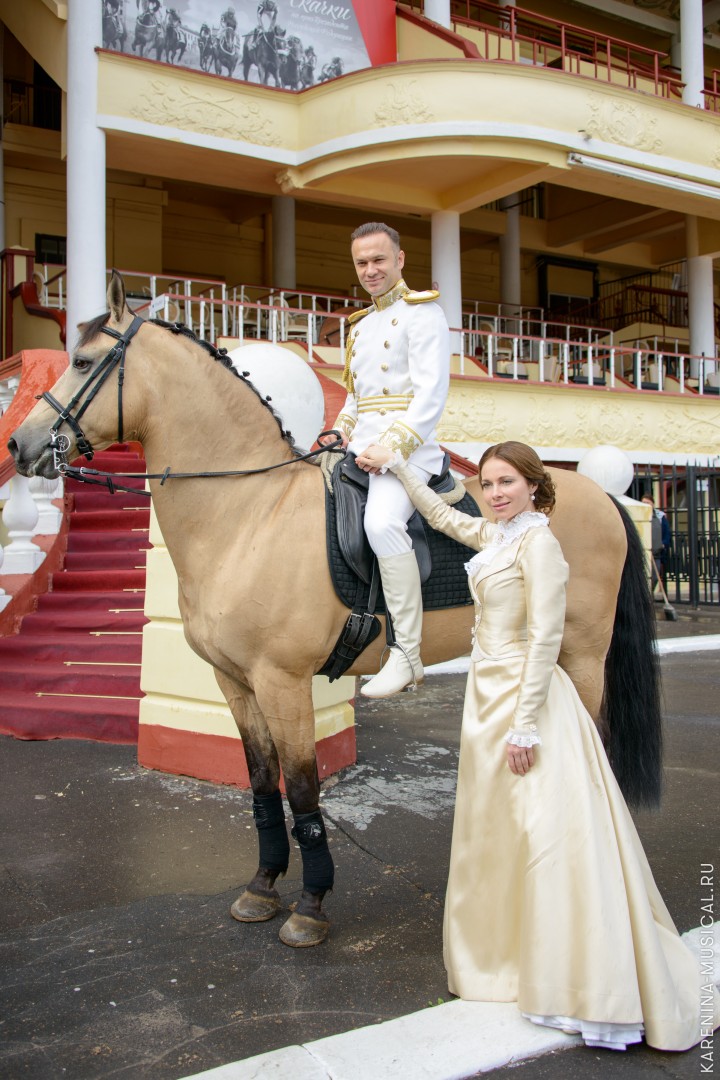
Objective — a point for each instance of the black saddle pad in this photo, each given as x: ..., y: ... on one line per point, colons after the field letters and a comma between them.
x: 447, y: 585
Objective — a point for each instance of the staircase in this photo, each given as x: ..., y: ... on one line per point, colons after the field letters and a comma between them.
x: 73, y: 670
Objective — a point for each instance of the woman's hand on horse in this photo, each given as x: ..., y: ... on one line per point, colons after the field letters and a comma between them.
x: 373, y: 459
x: 520, y: 759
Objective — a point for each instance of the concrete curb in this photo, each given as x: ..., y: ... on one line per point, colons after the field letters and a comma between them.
x: 447, y: 1042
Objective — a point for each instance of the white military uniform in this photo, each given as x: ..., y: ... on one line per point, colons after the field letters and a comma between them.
x: 397, y: 371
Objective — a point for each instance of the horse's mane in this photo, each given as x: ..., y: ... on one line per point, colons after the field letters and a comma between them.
x: 92, y: 328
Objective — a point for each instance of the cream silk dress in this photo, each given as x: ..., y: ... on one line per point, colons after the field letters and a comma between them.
x: 550, y: 899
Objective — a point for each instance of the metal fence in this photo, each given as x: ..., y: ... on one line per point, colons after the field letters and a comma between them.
x: 690, y: 498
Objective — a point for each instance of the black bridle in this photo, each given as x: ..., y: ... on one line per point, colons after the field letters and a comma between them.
x: 114, y: 359
x: 60, y: 444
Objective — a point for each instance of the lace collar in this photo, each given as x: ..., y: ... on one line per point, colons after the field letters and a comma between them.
x: 506, y: 533
x: 387, y: 299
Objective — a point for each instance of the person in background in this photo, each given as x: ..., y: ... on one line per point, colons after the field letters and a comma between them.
x: 661, y: 541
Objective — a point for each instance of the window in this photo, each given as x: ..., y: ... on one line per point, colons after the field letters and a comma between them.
x: 50, y: 249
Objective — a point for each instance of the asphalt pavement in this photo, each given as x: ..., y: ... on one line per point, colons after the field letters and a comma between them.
x: 118, y: 957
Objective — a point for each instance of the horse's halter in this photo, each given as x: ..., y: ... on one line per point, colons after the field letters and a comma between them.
x: 60, y: 444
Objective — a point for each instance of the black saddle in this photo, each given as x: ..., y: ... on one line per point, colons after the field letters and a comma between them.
x: 353, y: 566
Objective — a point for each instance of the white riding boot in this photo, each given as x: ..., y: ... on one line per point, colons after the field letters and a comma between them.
x: 403, y: 598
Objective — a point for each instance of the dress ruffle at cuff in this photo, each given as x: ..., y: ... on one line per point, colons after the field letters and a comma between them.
x: 523, y: 737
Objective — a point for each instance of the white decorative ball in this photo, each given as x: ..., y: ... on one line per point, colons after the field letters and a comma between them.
x: 289, y: 381
x: 609, y: 467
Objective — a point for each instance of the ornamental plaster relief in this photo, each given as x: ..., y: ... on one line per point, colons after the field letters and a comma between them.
x: 405, y: 106
x: 203, y: 111
x: 478, y: 412
x: 471, y: 416
x: 545, y: 426
x: 622, y: 122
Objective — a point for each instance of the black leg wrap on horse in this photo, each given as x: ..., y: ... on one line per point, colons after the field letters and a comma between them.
x: 272, y: 835
x: 318, y: 868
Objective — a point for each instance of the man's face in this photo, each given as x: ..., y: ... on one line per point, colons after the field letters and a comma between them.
x: 377, y: 262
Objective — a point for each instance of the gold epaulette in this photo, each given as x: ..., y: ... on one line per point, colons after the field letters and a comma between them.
x: 347, y: 379
x: 421, y: 297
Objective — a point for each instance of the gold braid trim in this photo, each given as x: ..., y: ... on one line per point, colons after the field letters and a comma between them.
x: 347, y: 379
x: 401, y: 438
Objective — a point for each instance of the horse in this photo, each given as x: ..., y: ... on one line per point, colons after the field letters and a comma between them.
x: 175, y: 38
x: 226, y: 52
x: 113, y: 31
x: 148, y: 32
x: 291, y: 64
x: 261, y: 49
x: 255, y: 592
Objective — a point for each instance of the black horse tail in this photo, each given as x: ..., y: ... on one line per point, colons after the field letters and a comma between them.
x: 631, y: 716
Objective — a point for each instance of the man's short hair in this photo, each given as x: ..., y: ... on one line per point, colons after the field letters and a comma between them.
x: 371, y: 228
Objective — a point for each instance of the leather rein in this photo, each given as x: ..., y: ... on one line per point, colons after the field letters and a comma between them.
x: 115, y: 358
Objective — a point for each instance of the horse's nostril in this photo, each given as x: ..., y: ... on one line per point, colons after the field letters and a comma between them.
x: 12, y: 447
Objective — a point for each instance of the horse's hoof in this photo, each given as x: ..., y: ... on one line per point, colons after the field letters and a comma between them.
x: 252, y: 907
x: 302, y: 931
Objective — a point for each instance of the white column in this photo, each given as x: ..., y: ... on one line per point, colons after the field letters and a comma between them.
x: 439, y: 12
x: 86, y: 284
x: 691, y: 51
x: 510, y: 260
x: 284, y: 272
x: 701, y: 309
x: 446, y: 269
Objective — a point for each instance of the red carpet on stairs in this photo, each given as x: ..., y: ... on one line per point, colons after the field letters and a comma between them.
x: 73, y: 670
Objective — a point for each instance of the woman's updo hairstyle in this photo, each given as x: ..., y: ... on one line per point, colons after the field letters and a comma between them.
x: 523, y: 458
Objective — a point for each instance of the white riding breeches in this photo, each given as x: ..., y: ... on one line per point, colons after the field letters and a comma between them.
x: 387, y: 513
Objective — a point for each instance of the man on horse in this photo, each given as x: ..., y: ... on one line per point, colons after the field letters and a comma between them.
x: 150, y: 12
x: 397, y: 373
x: 228, y: 28
x: 113, y: 26
x: 267, y: 14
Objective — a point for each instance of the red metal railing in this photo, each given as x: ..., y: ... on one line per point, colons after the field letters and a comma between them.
x: 546, y: 42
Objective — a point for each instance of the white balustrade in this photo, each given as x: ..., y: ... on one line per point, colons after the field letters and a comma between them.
x: 4, y: 598
x: 20, y: 516
x: 7, y: 392
x: 49, y: 516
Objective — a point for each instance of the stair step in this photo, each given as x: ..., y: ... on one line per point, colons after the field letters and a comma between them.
x: 100, y: 679
x: 89, y: 499
x: 105, y: 560
x: 55, y: 716
x: 106, y: 540
x: 98, y: 580
x: 86, y: 601
x: 82, y: 619
x: 100, y: 490
x: 95, y: 520
x: 112, y: 461
x: 101, y: 645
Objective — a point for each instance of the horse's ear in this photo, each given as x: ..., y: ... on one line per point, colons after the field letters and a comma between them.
x: 116, y: 296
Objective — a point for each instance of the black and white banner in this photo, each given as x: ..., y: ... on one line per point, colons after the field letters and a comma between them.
x: 290, y: 44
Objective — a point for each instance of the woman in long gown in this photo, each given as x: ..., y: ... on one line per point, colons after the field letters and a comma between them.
x: 550, y: 899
